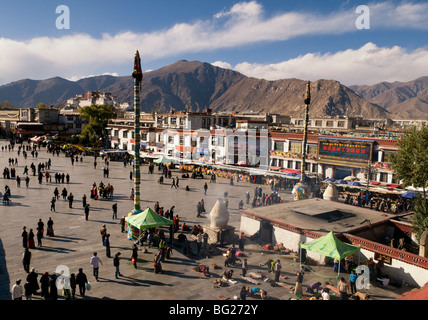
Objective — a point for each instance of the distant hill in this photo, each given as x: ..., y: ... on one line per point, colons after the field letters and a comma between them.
x: 407, y: 99
x: 201, y: 86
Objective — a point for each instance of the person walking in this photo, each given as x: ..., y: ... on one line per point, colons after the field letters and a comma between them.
x: 199, y: 238
x: 81, y: 281
x: 44, y: 285
x: 39, y: 236
x: 26, y: 259
x: 205, y: 188
x: 53, y: 289
x: 173, y: 183
x: 17, y: 290
x: 116, y: 264
x: 343, y: 289
x: 298, y: 290
x: 353, y: 281
x: 198, y: 209
x: 64, y: 194
x: 50, y: 230
x: 122, y: 224
x: 87, y: 211
x: 53, y: 201
x: 277, y: 268
x: 32, y: 279
x: 114, y: 208
x: 107, y: 245
x: 95, y: 262
x: 73, y: 285
x: 244, y: 267
x: 84, y: 200
x: 70, y: 199
x: 134, y: 255
x: 27, y: 291
x: 103, y: 232
x: 30, y: 242
x: 24, y: 235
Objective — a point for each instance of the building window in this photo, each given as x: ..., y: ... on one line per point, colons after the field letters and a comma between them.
x: 312, y: 149
x: 125, y: 134
x: 278, y: 146
x: 280, y: 163
x: 315, y: 167
x: 289, y: 164
x: 383, y: 177
x: 181, y: 140
x: 298, y: 165
x: 144, y: 136
x: 296, y: 147
x: 220, y: 141
x: 329, y: 123
x: 318, y: 123
x: 340, y: 124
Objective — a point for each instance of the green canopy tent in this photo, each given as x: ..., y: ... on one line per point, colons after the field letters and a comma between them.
x: 147, y: 219
x: 330, y: 246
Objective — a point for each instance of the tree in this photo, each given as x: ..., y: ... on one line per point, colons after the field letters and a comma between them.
x: 6, y: 105
x: 411, y: 167
x: 98, y: 117
x: 42, y: 105
x: 410, y: 163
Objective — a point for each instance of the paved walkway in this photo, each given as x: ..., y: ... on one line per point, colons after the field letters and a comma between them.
x: 76, y: 239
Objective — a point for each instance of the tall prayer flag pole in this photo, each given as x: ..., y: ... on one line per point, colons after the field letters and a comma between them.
x: 305, y: 130
x: 301, y: 190
x: 137, y: 74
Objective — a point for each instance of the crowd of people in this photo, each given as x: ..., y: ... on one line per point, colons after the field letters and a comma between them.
x: 104, y: 191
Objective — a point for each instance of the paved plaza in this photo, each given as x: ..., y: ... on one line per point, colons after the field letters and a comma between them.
x: 76, y: 239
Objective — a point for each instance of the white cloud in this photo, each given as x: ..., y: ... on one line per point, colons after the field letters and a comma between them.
x: 367, y: 65
x: 77, y: 78
x: 243, y: 24
x: 222, y: 64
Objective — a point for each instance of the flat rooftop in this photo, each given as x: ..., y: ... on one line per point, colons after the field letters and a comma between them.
x: 319, y: 215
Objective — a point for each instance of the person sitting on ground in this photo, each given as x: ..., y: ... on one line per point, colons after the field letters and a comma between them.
x: 195, y: 230
x: 181, y: 237
x: 255, y: 291
x: 203, y: 269
x: 313, y: 288
x: 227, y: 274
x: 187, y: 188
x: 184, y: 227
x: 325, y: 294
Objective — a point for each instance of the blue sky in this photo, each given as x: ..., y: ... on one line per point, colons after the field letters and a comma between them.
x: 270, y: 39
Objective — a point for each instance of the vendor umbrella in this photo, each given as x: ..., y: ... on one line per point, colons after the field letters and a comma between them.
x: 410, y: 195
x: 349, y: 178
x: 354, y: 183
x: 340, y: 181
x: 329, y: 180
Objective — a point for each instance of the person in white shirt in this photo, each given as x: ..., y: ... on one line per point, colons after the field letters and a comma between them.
x: 325, y: 295
x: 17, y: 290
x: 95, y: 261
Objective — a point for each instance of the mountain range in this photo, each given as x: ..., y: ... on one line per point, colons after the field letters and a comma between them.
x: 198, y: 86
